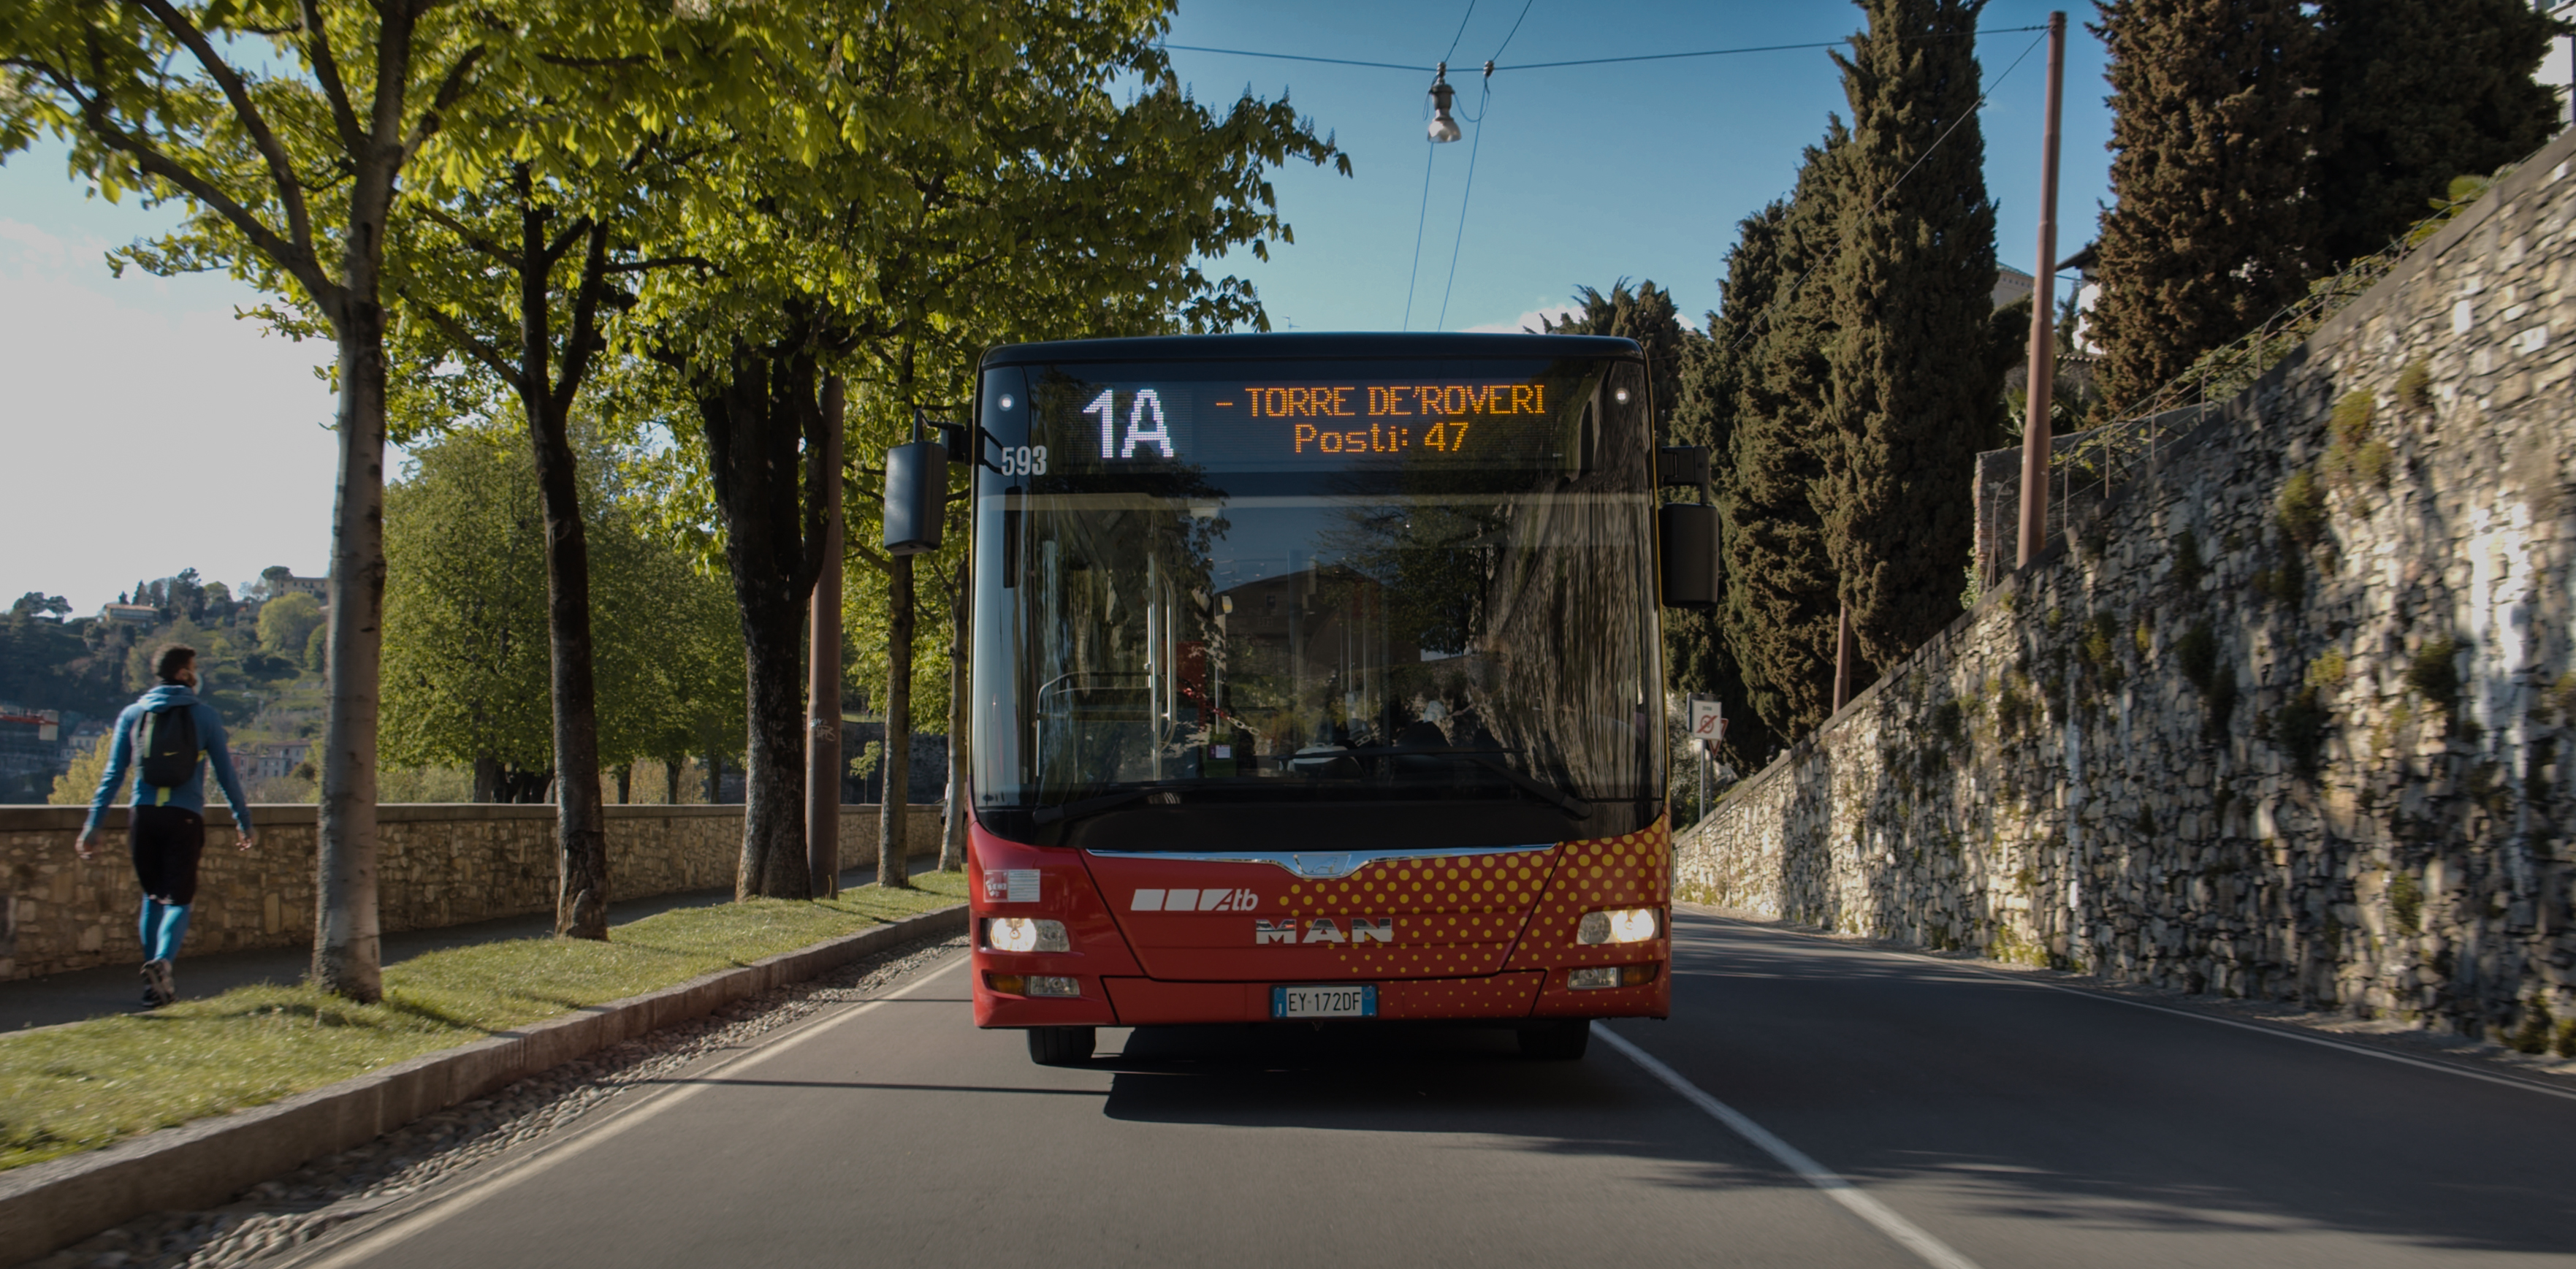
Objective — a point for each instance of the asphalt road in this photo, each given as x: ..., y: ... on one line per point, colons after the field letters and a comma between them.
x: 1885, y: 1110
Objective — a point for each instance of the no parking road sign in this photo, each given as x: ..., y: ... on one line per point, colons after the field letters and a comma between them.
x: 1707, y: 725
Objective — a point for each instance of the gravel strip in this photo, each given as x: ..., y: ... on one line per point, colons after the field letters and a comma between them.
x: 278, y: 1216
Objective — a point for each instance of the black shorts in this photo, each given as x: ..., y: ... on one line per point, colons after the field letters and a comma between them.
x: 167, y: 841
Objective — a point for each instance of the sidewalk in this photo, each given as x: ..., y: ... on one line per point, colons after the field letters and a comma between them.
x: 112, y: 989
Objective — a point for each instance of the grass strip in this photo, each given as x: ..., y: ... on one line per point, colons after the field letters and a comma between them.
x: 79, y: 1087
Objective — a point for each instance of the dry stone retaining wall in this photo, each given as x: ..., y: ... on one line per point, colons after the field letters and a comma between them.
x: 436, y: 866
x: 2292, y: 716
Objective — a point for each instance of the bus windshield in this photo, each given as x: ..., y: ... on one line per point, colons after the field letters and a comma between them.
x: 1425, y: 589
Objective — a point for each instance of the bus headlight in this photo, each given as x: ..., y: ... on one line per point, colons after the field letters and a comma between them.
x: 1025, y: 934
x: 1034, y: 984
x: 1619, y: 925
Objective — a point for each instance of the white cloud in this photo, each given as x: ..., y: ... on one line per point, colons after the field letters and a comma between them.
x: 1528, y: 321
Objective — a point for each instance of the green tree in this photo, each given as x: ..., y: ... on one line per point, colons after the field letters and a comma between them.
x: 1020, y: 191
x: 79, y: 782
x: 1915, y: 393
x: 2413, y: 93
x: 2212, y: 129
x: 286, y: 622
x: 1777, y: 622
x: 289, y: 167
x: 465, y: 617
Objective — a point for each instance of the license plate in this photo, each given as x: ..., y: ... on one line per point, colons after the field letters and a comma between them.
x: 1323, y: 1002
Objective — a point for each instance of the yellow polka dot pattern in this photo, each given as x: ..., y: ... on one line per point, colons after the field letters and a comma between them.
x: 1633, y: 870
x: 1498, y: 996
x: 1454, y: 915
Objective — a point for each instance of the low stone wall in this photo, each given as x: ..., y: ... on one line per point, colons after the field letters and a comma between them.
x: 2294, y: 715
x: 437, y: 865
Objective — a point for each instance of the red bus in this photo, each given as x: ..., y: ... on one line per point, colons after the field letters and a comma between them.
x: 1318, y: 678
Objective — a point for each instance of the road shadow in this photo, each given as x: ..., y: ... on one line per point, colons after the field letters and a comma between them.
x: 2020, y: 1102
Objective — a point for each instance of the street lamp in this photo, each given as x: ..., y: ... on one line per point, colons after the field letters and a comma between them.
x: 1443, y: 128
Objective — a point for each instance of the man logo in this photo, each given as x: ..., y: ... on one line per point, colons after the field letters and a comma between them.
x: 1324, y: 930
x: 1194, y: 901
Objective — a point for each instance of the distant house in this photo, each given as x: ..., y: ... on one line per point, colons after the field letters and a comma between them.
x: 129, y: 614
x: 277, y: 579
x: 270, y: 760
x: 2012, y: 286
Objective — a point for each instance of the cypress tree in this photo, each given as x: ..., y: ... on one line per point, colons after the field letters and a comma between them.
x: 2415, y: 92
x: 1915, y: 392
x: 1766, y: 395
x: 2211, y: 133
x: 1647, y: 315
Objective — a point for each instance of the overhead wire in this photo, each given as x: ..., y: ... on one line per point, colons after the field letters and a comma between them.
x: 1890, y: 191
x: 1484, y: 103
x: 1413, y: 276
x: 1484, y: 106
x: 1588, y: 61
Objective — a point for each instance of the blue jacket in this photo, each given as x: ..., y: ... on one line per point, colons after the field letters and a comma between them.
x: 190, y: 796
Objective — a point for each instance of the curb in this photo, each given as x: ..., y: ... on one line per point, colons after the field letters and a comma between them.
x: 50, y: 1205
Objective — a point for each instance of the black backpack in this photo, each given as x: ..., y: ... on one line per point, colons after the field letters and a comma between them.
x: 166, y: 739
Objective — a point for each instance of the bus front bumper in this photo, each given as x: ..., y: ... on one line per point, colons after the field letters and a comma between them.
x: 1120, y: 1001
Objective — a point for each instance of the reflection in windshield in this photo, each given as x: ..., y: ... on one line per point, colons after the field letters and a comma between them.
x: 1434, y: 634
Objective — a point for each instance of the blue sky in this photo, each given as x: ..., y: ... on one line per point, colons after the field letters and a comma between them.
x: 1585, y: 174
x: 130, y: 392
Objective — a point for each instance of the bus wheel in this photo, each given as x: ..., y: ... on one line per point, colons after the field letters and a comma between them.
x: 1061, y: 1046
x: 1557, y: 1041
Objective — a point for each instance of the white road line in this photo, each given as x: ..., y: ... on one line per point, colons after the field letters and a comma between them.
x: 440, y: 1211
x: 1905, y: 1233
x: 2277, y: 1032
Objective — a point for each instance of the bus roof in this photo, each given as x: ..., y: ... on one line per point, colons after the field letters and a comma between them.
x: 1314, y: 345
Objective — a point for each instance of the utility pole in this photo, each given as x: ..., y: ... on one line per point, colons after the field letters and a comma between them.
x: 1844, y: 656
x: 2043, y: 303
x: 823, y: 678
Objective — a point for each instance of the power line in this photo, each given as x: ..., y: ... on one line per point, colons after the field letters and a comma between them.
x: 1462, y: 31
x: 1484, y: 107
x: 1431, y: 151
x: 1589, y: 61
x: 1516, y: 29
x: 1295, y: 57
x: 1890, y: 191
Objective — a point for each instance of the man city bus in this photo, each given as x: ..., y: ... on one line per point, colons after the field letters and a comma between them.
x: 1318, y: 678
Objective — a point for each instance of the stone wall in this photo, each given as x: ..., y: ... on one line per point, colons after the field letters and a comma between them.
x: 437, y: 866
x: 2291, y: 718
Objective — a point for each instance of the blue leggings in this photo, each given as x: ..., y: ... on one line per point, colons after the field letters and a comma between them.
x: 166, y: 842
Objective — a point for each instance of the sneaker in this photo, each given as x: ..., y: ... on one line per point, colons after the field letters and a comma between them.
x: 158, y: 987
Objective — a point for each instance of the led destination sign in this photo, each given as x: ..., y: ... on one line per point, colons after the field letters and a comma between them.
x: 1241, y: 425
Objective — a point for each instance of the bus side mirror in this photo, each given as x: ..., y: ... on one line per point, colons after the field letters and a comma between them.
x: 916, y: 496
x: 1687, y: 534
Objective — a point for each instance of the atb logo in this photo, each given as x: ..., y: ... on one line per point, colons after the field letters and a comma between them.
x: 1194, y: 901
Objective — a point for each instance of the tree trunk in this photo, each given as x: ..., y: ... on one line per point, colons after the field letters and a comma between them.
x: 487, y: 778
x: 671, y: 781
x: 346, y: 955
x: 754, y: 421
x: 626, y: 784
x: 893, y: 863
x: 961, y: 612
x: 581, y: 889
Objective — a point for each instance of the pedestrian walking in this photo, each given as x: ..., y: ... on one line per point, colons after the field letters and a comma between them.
x: 168, y: 737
